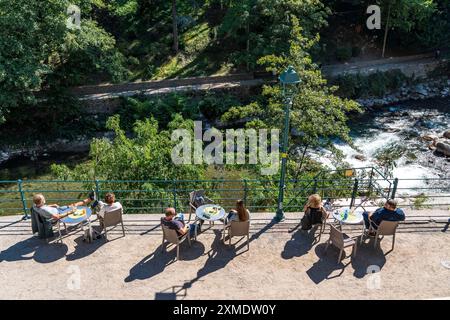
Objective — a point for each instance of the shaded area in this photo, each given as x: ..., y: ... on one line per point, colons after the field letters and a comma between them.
x: 34, y: 249
x: 157, y: 261
x: 300, y: 243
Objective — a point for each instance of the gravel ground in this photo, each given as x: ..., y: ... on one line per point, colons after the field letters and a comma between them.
x: 279, y: 265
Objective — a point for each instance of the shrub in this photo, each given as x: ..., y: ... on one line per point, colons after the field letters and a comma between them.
x: 343, y: 53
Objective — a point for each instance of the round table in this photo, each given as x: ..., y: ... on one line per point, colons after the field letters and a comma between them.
x: 81, y: 220
x: 76, y: 220
x: 355, y: 217
x: 200, y: 215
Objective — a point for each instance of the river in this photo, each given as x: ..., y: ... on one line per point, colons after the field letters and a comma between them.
x: 398, y: 127
x: 398, y: 131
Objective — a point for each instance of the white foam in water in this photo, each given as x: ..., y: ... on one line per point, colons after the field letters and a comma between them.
x: 385, y: 130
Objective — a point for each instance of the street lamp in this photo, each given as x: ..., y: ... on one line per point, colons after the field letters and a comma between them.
x: 289, y: 80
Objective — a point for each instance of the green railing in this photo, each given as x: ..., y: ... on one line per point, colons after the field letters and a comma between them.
x: 357, y: 185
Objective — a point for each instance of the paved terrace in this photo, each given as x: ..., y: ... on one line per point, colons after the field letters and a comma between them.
x: 279, y: 265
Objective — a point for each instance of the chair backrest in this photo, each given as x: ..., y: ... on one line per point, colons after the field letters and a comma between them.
x: 44, y: 226
x: 197, y: 195
x: 113, y: 217
x: 336, y: 237
x: 240, y: 228
x: 169, y: 234
x: 324, y: 216
x: 387, y: 228
x: 191, y: 197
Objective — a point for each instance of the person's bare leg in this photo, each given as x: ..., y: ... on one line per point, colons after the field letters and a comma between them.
x: 80, y: 203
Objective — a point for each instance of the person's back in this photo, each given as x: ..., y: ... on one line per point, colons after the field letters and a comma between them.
x: 171, y: 222
x: 109, y: 205
x: 389, y: 212
x: 240, y: 214
x: 384, y: 214
x: 313, y: 212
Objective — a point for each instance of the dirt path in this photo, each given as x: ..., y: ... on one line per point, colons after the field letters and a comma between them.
x: 408, y: 64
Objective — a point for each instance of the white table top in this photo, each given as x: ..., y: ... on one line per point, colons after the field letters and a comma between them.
x: 200, y: 211
x: 354, y: 217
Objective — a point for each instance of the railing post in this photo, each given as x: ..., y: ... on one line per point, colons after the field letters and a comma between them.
x: 22, y: 198
x: 370, y: 183
x: 315, y: 186
x: 354, y: 193
x: 97, y: 188
x: 394, y: 189
x: 174, y: 191
x: 245, y: 191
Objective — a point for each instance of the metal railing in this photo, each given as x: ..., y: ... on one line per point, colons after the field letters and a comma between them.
x: 152, y: 196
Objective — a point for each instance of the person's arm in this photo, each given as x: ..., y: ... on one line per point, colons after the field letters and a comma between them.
x: 376, y: 216
x: 401, y: 215
x: 183, y: 230
x: 57, y: 216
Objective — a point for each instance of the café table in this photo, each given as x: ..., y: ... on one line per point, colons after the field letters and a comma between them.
x: 201, y: 214
x: 78, y: 221
x: 353, y: 217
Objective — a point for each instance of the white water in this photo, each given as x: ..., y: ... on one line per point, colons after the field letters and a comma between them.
x: 394, y: 125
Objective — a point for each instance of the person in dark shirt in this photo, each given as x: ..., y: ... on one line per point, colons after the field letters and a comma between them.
x: 389, y: 212
x: 171, y: 221
x: 314, y: 212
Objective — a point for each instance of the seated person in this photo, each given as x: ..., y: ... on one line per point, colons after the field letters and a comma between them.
x: 53, y: 211
x: 109, y: 205
x: 389, y: 212
x: 239, y: 214
x: 174, y: 222
x: 313, y: 212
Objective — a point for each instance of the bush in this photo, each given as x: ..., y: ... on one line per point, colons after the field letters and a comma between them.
x: 377, y: 84
x: 343, y: 53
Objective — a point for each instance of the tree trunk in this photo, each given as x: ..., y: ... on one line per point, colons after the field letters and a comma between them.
x: 386, y: 29
x: 175, y: 26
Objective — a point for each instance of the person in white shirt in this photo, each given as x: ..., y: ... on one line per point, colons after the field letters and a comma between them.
x: 53, y: 211
x: 109, y: 205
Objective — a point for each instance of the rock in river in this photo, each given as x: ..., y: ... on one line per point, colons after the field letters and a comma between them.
x: 443, y: 148
x: 360, y: 157
x: 430, y: 137
x: 447, y: 134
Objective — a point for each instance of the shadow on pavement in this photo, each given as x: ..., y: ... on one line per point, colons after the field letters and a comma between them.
x: 157, y: 261
x: 300, y: 243
x: 34, y: 249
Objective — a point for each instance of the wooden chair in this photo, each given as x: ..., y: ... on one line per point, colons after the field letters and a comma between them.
x: 341, y: 241
x: 111, y: 219
x: 238, y: 229
x: 172, y: 237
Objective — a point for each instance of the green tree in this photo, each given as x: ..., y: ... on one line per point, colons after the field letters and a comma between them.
x: 38, y: 51
x: 317, y: 116
x: 30, y: 31
x: 405, y: 15
x: 262, y: 27
x: 145, y: 156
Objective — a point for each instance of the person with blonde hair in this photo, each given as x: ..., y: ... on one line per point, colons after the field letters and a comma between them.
x: 314, y: 212
x: 52, y: 211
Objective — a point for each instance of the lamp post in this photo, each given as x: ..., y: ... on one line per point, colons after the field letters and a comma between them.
x: 289, y: 80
